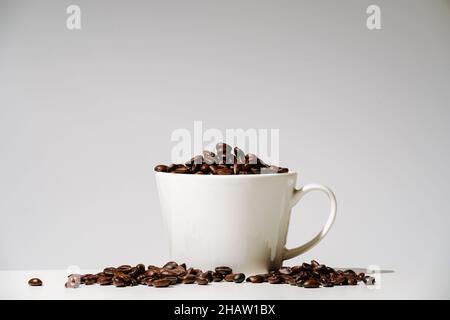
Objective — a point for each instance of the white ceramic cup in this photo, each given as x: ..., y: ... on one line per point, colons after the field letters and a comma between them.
x: 238, y: 221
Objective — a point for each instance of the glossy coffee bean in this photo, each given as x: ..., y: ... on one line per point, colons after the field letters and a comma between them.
x: 188, y: 279
x: 223, y: 270
x: 274, y: 280
x: 170, y: 265
x: 35, y: 282
x: 229, y: 277
x: 255, y: 279
x: 239, y: 277
x: 201, y: 281
x: 285, y: 270
x: 104, y: 280
x: 217, y: 277
x: 311, y: 283
x: 161, y: 168
x: 161, y: 283
x: 361, y: 276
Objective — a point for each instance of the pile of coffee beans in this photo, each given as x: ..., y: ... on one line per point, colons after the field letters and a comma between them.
x: 307, y: 275
x: 225, y: 161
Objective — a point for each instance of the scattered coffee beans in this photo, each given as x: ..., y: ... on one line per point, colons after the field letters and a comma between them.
x: 226, y: 161
x: 306, y: 275
x: 35, y: 282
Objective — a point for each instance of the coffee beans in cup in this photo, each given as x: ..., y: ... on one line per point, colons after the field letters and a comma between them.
x: 225, y: 160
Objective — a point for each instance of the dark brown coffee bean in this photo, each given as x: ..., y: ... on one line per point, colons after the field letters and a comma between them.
x: 311, y: 283
x: 148, y: 281
x: 300, y: 282
x: 168, y: 273
x: 239, y: 277
x: 90, y: 279
x: 141, y: 268
x: 181, y: 170
x: 352, y: 281
x: 368, y: 280
x: 170, y: 265
x: 327, y: 284
x: 213, y: 169
x: 104, y: 280
x: 207, y: 275
x: 217, y: 277
x: 126, y: 268
x: 340, y: 280
x: 173, y: 166
x: 161, y: 168
x: 285, y: 270
x: 224, y: 171
x: 306, y: 267
x: 361, y: 276
x: 288, y: 279
x: 240, y: 155
x: 229, y: 277
x: 173, y: 280
x: 35, y: 282
x: 161, y: 283
x: 118, y: 281
x: 223, y: 270
x: 274, y: 280
x: 204, y: 168
x: 283, y: 170
x: 255, y: 279
x: 201, y: 281
x: 314, y: 264
x: 188, y: 279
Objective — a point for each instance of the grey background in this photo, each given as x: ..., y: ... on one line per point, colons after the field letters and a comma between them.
x: 85, y: 115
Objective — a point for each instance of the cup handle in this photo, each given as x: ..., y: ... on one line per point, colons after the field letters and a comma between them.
x: 298, y: 194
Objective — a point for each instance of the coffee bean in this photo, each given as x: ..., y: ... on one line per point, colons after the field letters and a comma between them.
x: 208, y: 275
x: 352, y: 281
x: 239, y: 277
x: 170, y: 265
x: 118, y: 281
x: 35, y: 282
x: 361, y: 276
x: 283, y: 170
x: 126, y: 268
x: 224, y: 171
x: 274, y: 280
x: 217, y: 277
x: 188, y: 279
x: 90, y: 279
x: 229, y: 277
x: 109, y: 271
x: 314, y: 264
x: 306, y: 267
x: 173, y: 280
x: 182, y: 170
x: 255, y: 279
x: 201, y: 281
x: 327, y: 284
x: 104, y: 280
x: 161, y: 168
x: 311, y: 283
x: 141, y: 268
x: 340, y: 280
x: 285, y: 270
x: 161, y: 283
x: 223, y: 270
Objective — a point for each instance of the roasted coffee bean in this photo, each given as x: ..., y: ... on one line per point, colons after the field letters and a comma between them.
x: 300, y: 282
x: 306, y: 267
x: 124, y: 268
x: 208, y: 275
x: 161, y: 168
x: 141, y: 268
x: 240, y: 155
x: 118, y: 281
x: 340, y: 281
x: 183, y: 265
x: 205, y: 168
x: 311, y: 283
x: 201, y: 281
x: 213, y: 169
x: 255, y: 279
x: 35, y: 282
x: 168, y: 273
x: 133, y: 282
x: 149, y: 281
x: 104, y: 281
x: 285, y: 270
x: 239, y: 277
x: 182, y: 170
x: 283, y: 170
x: 296, y: 269
x: 223, y: 270
x: 188, y: 279
x: 90, y: 279
x: 352, y: 281
x: 224, y: 171
x: 327, y: 284
x: 274, y: 280
x: 173, y: 280
x: 368, y: 280
x: 229, y: 277
x: 361, y: 276
x: 161, y: 283
x: 288, y: 279
x: 217, y: 277
x: 170, y: 265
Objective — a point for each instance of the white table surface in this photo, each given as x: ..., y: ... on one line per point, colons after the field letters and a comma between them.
x: 393, y: 285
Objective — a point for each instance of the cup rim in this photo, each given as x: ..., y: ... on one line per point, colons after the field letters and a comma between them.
x: 230, y: 176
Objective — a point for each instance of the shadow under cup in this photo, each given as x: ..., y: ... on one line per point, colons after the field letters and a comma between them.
x: 236, y: 221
